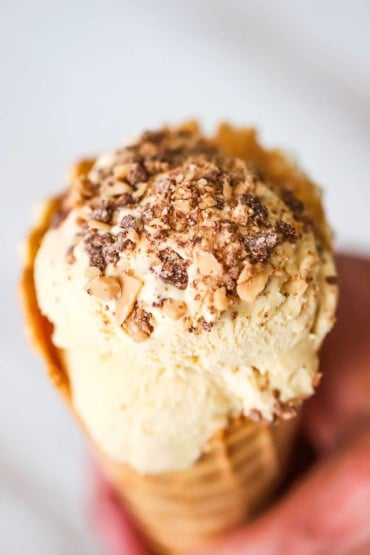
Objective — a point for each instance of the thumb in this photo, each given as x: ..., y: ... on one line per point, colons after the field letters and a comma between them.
x: 327, y: 512
x: 112, y: 523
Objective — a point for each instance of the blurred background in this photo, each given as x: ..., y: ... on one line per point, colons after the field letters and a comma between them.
x: 80, y: 76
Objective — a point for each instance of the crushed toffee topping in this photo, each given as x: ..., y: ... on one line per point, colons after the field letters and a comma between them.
x: 208, y: 223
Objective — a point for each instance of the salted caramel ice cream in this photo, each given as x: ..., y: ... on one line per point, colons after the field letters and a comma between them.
x: 185, y: 287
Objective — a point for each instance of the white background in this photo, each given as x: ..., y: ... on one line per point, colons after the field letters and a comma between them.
x: 79, y: 76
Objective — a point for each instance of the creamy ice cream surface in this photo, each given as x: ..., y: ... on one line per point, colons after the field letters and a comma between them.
x: 185, y: 286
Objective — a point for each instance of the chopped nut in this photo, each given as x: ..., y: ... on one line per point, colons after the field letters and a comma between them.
x: 207, y: 202
x: 96, y: 224
x: 174, y: 309
x: 207, y: 263
x: 132, y: 235
x: 121, y: 170
x: 140, y: 190
x: 182, y: 206
x: 220, y: 300
x: 248, y: 290
x: 227, y: 190
x: 246, y: 273
x: 130, y: 286
x: 105, y: 288
x: 92, y: 272
x: 116, y: 188
x: 242, y: 187
x: 137, y: 334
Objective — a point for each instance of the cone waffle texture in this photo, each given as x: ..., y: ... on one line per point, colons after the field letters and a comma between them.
x: 183, y: 510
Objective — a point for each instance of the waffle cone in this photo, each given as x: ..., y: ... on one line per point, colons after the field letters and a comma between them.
x: 186, y: 510
x: 241, y: 465
x: 236, y: 475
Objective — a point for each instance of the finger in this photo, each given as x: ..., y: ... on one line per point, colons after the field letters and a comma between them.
x: 343, y: 396
x: 113, y: 525
x: 326, y: 513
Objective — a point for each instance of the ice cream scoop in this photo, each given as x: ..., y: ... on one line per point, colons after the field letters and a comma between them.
x: 189, y: 281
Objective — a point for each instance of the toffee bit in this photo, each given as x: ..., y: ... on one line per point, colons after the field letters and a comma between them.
x: 130, y: 222
x: 261, y: 245
x: 259, y: 210
x: 287, y: 231
x: 103, y: 212
x: 97, y: 259
x: 136, y: 174
x: 182, y: 194
x: 124, y: 200
x: 96, y: 245
x: 123, y: 242
x: 173, y: 269
x: 120, y: 243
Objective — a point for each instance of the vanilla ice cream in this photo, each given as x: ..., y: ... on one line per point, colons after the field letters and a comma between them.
x: 185, y: 287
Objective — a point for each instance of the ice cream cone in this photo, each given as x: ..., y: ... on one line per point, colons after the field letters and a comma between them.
x: 242, y: 464
x: 235, y: 476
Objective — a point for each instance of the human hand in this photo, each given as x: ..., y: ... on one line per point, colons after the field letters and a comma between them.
x: 327, y: 511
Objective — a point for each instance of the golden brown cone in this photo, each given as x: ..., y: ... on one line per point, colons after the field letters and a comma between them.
x: 242, y: 464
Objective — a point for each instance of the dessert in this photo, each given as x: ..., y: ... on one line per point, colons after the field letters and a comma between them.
x: 180, y: 290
